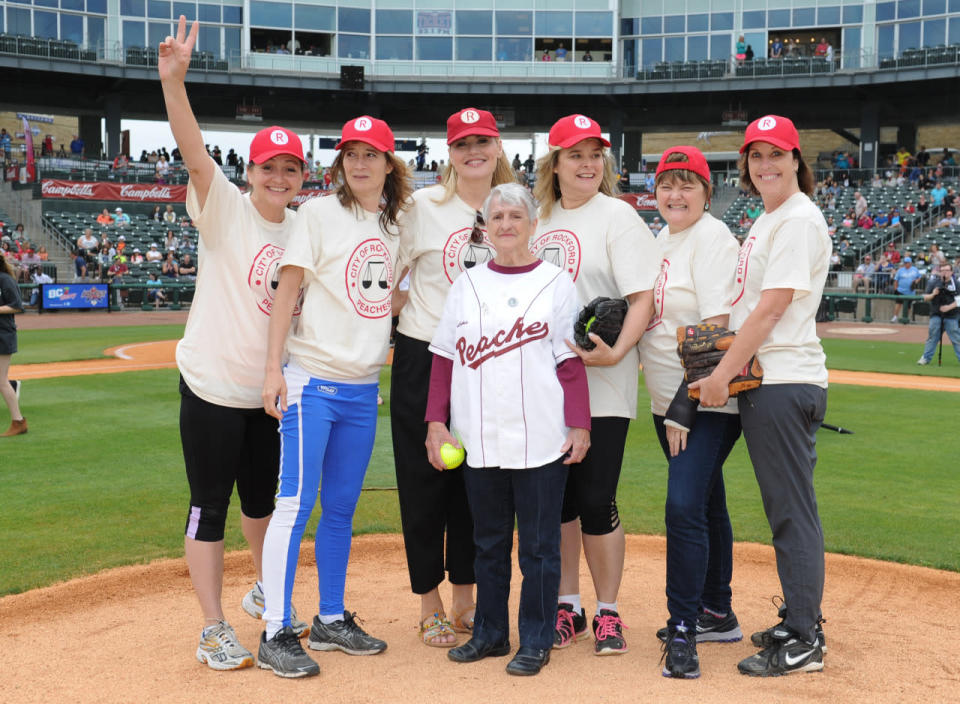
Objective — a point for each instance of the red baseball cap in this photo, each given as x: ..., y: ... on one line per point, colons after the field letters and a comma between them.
x: 274, y: 141
x: 776, y: 130
x: 571, y: 129
x: 696, y: 162
x: 368, y: 130
x: 471, y: 121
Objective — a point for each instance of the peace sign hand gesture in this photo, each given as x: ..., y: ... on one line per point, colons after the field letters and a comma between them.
x: 174, y: 52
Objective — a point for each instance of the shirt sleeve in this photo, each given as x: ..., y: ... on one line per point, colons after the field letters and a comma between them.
x: 408, y: 234
x: 632, y: 249
x: 223, y: 202
x: 10, y: 293
x: 444, y: 338
x: 793, y: 256
x: 438, y: 397
x: 565, y: 311
x: 304, y: 245
x: 576, y: 393
x: 713, y: 268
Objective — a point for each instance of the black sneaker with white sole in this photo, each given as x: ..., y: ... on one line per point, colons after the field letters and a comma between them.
x: 680, y: 659
x: 788, y: 654
x: 344, y: 634
x: 764, y: 639
x: 713, y: 629
x: 285, y: 656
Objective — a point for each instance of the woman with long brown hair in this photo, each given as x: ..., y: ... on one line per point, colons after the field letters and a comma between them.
x: 10, y: 305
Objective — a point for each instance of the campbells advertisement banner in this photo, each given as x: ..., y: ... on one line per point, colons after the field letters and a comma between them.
x: 640, y: 201
x: 142, y: 192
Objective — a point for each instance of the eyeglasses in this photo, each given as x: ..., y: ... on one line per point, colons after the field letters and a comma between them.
x: 476, y: 234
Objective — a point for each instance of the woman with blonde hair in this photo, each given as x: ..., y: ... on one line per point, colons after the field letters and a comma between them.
x: 447, y: 236
x: 601, y: 242
x: 343, y: 252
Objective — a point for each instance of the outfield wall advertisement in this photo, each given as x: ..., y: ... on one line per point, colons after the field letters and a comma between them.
x: 60, y: 296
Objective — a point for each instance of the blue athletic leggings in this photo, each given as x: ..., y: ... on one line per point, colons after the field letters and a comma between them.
x: 326, y: 438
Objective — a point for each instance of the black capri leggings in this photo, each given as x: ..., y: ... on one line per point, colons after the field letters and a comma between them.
x: 591, y: 492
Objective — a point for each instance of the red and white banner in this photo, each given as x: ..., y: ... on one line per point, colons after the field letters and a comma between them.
x: 640, y: 201
x: 138, y: 192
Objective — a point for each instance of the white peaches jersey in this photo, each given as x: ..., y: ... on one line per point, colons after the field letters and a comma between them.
x: 350, y: 270
x: 224, y: 345
x: 505, y: 333
x: 608, y: 251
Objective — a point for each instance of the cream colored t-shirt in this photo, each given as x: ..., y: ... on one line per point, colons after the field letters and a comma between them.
x: 695, y: 283
x: 349, y: 272
x: 788, y: 248
x: 224, y: 346
x: 609, y: 251
x: 438, y: 250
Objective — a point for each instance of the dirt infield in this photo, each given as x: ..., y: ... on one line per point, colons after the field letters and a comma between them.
x: 129, y: 635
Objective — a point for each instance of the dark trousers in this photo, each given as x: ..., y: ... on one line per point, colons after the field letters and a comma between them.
x: 699, y: 535
x: 433, y: 504
x: 780, y: 423
x: 534, y: 497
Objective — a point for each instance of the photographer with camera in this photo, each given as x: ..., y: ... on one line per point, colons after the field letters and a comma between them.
x: 942, y: 294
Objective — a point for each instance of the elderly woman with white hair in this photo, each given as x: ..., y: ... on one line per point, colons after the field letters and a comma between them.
x: 519, y: 401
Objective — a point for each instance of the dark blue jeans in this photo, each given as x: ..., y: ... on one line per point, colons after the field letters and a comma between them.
x: 699, y: 535
x: 534, y: 497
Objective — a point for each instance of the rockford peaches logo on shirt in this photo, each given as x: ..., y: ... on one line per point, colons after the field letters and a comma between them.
x: 743, y: 263
x: 460, y: 253
x: 265, y: 275
x: 560, y: 248
x: 658, y: 295
x: 369, y: 278
x: 501, y: 342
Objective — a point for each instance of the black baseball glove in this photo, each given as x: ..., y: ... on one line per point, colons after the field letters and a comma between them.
x: 601, y: 316
x: 702, y: 346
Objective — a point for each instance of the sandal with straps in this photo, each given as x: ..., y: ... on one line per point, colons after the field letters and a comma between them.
x: 437, y: 626
x: 461, y: 624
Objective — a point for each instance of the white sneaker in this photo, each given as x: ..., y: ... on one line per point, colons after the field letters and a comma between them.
x: 253, y: 604
x: 893, y: 319
x: 220, y: 649
x: 923, y: 361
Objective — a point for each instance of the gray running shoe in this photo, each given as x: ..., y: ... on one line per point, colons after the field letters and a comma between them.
x: 220, y: 649
x: 285, y: 656
x: 787, y: 654
x: 345, y: 635
x: 253, y: 604
x: 764, y: 639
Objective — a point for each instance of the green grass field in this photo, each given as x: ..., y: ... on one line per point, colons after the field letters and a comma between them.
x: 99, y: 480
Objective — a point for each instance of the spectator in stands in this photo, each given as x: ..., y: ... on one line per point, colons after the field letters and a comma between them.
x: 88, y: 242
x: 38, y: 277
x: 587, y: 56
x: 950, y: 200
x: 175, y: 156
x: 103, y: 261
x: 121, y: 162
x: 865, y: 221
x: 170, y: 267
x: 153, y: 158
x: 42, y: 253
x: 171, y: 242
x: 529, y: 164
x: 904, y: 280
x: 155, y: 295
x: 656, y: 224
x: 776, y: 48
x: 922, y: 204
x: 948, y: 219
x: 157, y: 214
x: 909, y: 208
x: 169, y: 215
x: 105, y: 242
x: 116, y: 273
x: 876, y: 181
x: 863, y: 275
x: 740, y: 52
x: 517, y: 164
x: 120, y: 218
x: 831, y: 202
x: 105, y: 219
x: 935, y: 257
x: 841, y: 161
x: 836, y: 263
x: 882, y: 274
x: 745, y: 220
x: 188, y: 270
x: 850, y: 219
x: 891, y: 179
x: 748, y: 55
x: 186, y: 245
x: 218, y: 155
x: 546, y: 55
x: 231, y: 157
x: 821, y: 48
x: 859, y: 204
x: 5, y: 143
x: 881, y: 220
x: 163, y: 170
x: 923, y: 156
x: 937, y: 194
x: 894, y: 217
x: 946, y: 158
x: 79, y: 267
x: 831, y: 226
x: 144, y: 157
x: 560, y: 53
x: 153, y: 254
x: 137, y: 256
x: 121, y: 244
x: 902, y: 155
x: 926, y: 181
x: 754, y: 210
x: 893, y: 254
x: 76, y: 146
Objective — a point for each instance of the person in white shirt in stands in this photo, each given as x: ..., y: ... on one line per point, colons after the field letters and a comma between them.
x: 782, y: 269
x: 169, y: 215
x: 154, y: 254
x: 695, y: 285
x: 601, y: 242
x: 343, y: 250
x: 227, y: 439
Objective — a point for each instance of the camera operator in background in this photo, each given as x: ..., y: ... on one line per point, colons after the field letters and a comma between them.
x: 942, y: 295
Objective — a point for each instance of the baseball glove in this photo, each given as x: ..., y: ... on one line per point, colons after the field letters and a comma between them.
x: 702, y: 346
x: 601, y: 316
